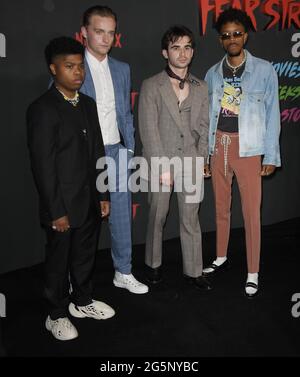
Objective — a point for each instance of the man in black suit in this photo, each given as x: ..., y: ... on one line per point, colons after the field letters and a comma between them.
x: 65, y: 142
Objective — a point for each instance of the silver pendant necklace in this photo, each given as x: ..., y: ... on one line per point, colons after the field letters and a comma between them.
x: 235, y: 68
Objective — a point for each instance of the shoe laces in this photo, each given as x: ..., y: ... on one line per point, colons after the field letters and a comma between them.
x: 130, y: 279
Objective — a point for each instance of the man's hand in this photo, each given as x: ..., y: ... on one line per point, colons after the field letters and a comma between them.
x: 105, y: 208
x: 207, y: 172
x: 166, y: 179
x: 131, y: 161
x: 61, y: 225
x: 267, y: 170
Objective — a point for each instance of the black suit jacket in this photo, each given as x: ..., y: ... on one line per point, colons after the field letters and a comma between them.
x: 63, y: 157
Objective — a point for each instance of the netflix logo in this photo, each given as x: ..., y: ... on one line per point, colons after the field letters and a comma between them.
x: 117, y: 43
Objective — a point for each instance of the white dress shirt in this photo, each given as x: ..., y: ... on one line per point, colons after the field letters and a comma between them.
x: 105, y: 99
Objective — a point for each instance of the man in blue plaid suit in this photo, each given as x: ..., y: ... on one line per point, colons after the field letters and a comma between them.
x: 108, y: 81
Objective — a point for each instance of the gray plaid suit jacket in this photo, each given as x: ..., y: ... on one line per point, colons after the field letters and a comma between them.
x: 160, y: 124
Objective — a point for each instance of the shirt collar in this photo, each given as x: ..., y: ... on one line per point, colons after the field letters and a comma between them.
x: 94, y: 62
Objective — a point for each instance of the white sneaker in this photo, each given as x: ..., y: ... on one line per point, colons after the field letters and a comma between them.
x: 129, y: 282
x: 61, y: 328
x: 96, y: 310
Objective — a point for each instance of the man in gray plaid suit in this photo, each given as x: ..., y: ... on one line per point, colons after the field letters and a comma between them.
x: 173, y: 125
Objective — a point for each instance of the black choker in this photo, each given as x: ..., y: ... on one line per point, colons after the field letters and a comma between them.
x: 174, y: 76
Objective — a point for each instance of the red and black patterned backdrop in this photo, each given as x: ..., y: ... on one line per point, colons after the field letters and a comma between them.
x: 27, y: 26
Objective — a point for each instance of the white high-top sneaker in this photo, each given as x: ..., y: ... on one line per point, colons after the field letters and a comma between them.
x: 129, y: 282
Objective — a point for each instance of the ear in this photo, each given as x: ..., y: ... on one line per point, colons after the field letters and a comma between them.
x: 165, y: 54
x: 83, y: 31
x: 52, y: 69
x: 245, y: 38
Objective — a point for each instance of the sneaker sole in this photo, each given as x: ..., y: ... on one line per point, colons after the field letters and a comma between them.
x: 48, y: 327
x: 125, y: 286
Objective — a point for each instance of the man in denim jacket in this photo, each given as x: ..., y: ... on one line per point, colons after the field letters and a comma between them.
x: 243, y: 137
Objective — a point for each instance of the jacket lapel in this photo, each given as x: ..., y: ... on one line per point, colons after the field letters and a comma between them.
x: 196, y: 102
x: 117, y: 84
x: 87, y: 125
x: 169, y: 98
x: 88, y: 87
x: 59, y: 102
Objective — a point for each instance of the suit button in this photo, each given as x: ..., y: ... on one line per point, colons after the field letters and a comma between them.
x: 181, y: 135
x: 213, y: 133
x: 179, y: 149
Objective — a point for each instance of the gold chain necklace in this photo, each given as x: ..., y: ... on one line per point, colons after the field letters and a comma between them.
x: 73, y: 101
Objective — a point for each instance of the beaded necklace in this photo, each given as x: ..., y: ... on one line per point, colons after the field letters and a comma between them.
x: 73, y: 101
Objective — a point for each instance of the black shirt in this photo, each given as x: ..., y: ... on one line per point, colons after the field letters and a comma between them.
x: 230, y: 105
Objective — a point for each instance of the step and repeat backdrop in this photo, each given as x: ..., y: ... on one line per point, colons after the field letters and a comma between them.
x: 27, y: 26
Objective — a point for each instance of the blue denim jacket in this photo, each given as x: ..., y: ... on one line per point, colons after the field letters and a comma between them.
x: 259, y: 117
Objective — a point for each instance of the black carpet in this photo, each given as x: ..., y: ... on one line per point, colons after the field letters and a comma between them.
x: 174, y: 319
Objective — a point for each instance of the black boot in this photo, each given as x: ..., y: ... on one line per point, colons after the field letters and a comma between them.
x: 199, y: 282
x: 154, y: 275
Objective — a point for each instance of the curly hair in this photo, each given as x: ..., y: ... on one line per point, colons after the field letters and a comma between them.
x: 233, y: 15
x: 62, y: 46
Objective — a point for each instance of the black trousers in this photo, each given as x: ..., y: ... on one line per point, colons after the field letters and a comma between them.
x: 70, y: 258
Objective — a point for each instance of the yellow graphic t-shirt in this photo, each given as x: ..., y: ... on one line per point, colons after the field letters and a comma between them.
x: 231, y: 101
